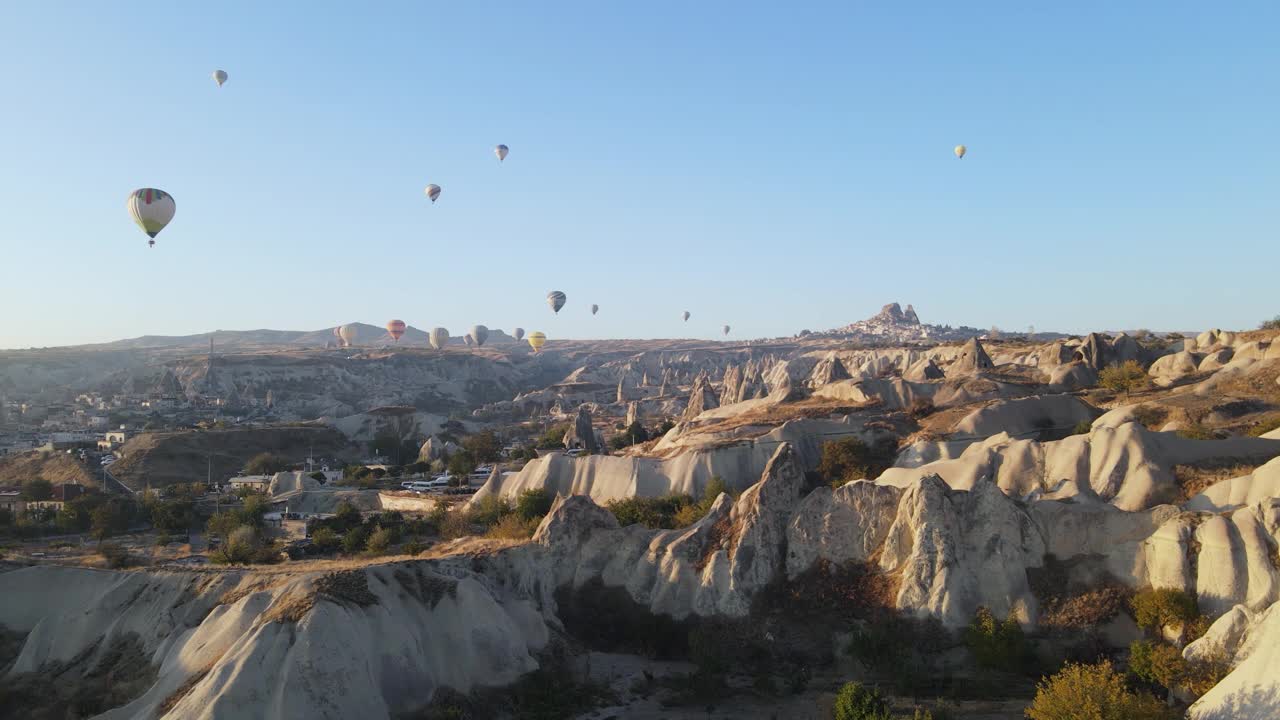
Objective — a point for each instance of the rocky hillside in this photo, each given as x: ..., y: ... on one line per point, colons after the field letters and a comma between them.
x: 56, y: 467
x: 163, y: 458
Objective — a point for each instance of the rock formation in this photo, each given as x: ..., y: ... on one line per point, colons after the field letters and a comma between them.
x: 972, y: 358
x: 827, y: 371
x: 581, y: 433
x: 702, y: 397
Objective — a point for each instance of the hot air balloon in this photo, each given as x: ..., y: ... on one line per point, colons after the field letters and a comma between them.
x: 348, y: 334
x: 433, y: 192
x: 518, y: 333
x: 152, y: 209
x: 501, y: 151
x: 537, y: 340
x: 726, y: 329
x: 395, y: 328
x: 467, y: 339
x: 594, y: 308
x: 556, y: 299
x: 337, y: 331
x: 686, y: 316
x: 439, y: 337
x: 480, y: 334
x: 220, y: 76
x: 960, y: 151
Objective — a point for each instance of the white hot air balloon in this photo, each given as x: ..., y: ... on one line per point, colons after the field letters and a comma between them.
x: 960, y: 151
x: 220, y: 76
x: 686, y: 316
x: 501, y: 151
x: 439, y: 337
x: 348, y: 333
x: 433, y: 192
x: 480, y: 334
x: 555, y: 300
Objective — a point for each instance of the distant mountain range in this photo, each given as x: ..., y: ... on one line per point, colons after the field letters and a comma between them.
x: 367, y: 336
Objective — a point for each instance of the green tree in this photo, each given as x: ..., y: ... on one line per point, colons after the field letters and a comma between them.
x: 1125, y: 377
x: 111, y: 518
x: 346, y: 516
x: 552, y: 437
x: 850, y: 459
x: 533, y: 503
x: 355, y: 540
x: 995, y: 644
x: 266, y: 464
x: 38, y: 489
x: 1158, y: 663
x: 242, y: 547
x: 461, y: 464
x: 483, y: 446
x: 1166, y: 608
x: 855, y: 701
x: 1093, y: 692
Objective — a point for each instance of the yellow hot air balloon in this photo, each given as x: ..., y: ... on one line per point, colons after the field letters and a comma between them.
x: 152, y: 209
x: 960, y: 151
x: 537, y: 340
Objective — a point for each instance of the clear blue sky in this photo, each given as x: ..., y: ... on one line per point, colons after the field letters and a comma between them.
x: 771, y: 167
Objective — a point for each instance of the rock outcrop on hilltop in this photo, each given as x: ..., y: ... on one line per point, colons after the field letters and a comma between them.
x: 827, y: 371
x: 893, y: 324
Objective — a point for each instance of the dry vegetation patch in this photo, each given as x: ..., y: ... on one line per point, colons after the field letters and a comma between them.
x: 183, y: 690
x: 428, y: 588
x: 1194, y: 479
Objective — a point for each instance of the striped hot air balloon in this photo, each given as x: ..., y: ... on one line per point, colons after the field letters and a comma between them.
x: 152, y: 209
x: 556, y: 299
x: 501, y: 151
x: 433, y: 192
x: 480, y: 334
x: 537, y: 340
x: 395, y: 328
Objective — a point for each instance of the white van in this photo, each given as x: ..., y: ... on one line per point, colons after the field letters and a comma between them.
x: 422, y: 486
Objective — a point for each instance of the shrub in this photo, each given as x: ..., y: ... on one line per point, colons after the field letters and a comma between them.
x: 1265, y: 426
x: 997, y: 645
x: 1196, y: 431
x: 921, y: 407
x: 1272, y: 324
x: 1084, y: 427
x: 856, y: 702
x: 533, y: 503
x: 850, y: 459
x: 1093, y: 692
x: 553, y: 437
x: 266, y: 464
x: 379, y: 541
x: 461, y: 464
x: 115, y: 554
x: 354, y: 540
x: 513, y: 527
x: 1125, y: 377
x: 37, y: 489
x: 324, y: 539
x: 455, y: 525
x: 241, y: 547
x: 1156, y: 662
x: 346, y: 516
x: 413, y: 547
x: 488, y: 510
x: 1157, y: 610
x: 655, y: 513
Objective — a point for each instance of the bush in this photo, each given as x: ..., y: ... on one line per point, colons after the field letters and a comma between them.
x: 513, y: 527
x: 116, y: 555
x: 552, y: 438
x: 1272, y: 324
x: 533, y: 503
x: 379, y: 541
x: 1158, y: 663
x: 1196, y: 431
x: 413, y: 547
x: 266, y: 464
x: 856, y: 702
x: 324, y: 539
x: 1156, y: 610
x: 38, y: 489
x: 1093, y: 692
x: 1125, y: 377
x: 1265, y: 426
x: 487, y: 511
x: 997, y: 645
x: 241, y: 547
x: 1084, y: 427
x: 355, y: 540
x: 346, y: 516
x: 656, y: 513
x: 850, y: 459
x: 921, y: 407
